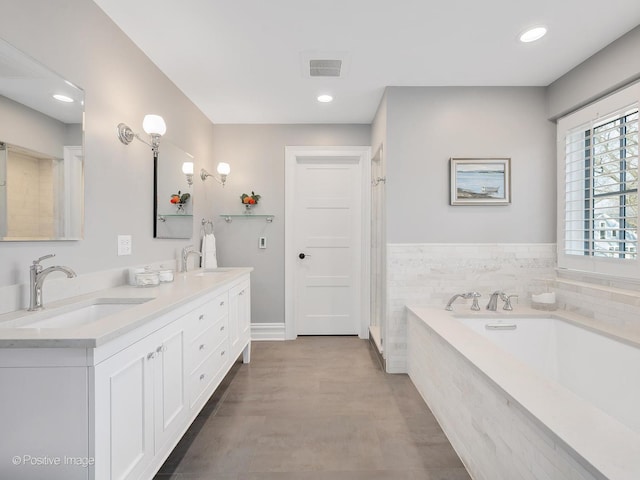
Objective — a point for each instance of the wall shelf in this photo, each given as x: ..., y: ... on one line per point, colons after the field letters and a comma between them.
x: 228, y: 217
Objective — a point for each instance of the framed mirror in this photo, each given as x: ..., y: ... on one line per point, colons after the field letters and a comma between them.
x: 41, y: 151
x: 173, y: 206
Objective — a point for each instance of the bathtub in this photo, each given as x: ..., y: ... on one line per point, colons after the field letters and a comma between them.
x: 529, y: 396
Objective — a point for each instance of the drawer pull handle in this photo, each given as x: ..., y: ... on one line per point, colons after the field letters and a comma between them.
x: 202, y: 347
x: 161, y: 348
x: 222, y: 328
x: 222, y: 353
x: 201, y: 317
x: 222, y: 303
x: 151, y: 356
x: 241, y: 293
x: 202, y: 377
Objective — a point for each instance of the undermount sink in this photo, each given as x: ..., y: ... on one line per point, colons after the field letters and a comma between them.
x: 78, y: 315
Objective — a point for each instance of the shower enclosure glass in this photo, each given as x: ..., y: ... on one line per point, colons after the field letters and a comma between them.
x: 378, y: 250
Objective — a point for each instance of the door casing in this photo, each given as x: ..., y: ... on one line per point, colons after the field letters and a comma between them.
x: 292, y: 153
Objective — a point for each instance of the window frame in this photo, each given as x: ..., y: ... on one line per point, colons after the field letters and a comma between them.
x: 600, y: 109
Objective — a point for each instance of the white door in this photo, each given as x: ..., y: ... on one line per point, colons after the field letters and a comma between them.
x: 326, y: 233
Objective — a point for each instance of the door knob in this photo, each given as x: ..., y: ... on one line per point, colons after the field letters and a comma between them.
x: 302, y: 256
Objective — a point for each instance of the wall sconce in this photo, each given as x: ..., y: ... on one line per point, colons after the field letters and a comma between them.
x: 153, y: 125
x: 187, y: 169
x: 223, y: 170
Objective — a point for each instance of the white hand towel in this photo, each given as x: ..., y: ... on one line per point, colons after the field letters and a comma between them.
x: 209, y: 251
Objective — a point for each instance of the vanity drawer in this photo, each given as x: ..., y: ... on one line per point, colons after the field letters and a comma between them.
x: 202, y: 346
x: 211, y: 370
x: 207, y: 315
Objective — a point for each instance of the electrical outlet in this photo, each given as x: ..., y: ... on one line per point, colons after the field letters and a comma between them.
x: 124, y: 245
x: 262, y: 242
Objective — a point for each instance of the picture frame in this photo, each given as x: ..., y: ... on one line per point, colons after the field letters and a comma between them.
x: 480, y: 181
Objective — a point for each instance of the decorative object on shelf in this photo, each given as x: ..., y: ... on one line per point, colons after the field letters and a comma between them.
x: 480, y: 181
x: 249, y: 201
x: 223, y: 170
x: 180, y: 200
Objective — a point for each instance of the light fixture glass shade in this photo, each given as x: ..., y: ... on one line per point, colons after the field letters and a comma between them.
x: 224, y: 168
x: 154, y: 125
x: 187, y: 168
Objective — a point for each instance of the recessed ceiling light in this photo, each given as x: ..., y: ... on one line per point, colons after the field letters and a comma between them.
x: 325, y: 98
x: 63, y: 98
x: 533, y: 34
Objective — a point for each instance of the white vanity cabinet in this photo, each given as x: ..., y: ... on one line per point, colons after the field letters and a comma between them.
x: 140, y: 402
x: 208, y: 350
x: 124, y: 405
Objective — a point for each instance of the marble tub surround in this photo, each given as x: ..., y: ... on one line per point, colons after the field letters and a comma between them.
x: 610, y: 301
x: 162, y: 299
x: 428, y: 274
x: 504, y: 419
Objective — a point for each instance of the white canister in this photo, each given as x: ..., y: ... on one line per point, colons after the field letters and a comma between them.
x: 166, y: 275
x: 147, y: 279
x: 133, y: 271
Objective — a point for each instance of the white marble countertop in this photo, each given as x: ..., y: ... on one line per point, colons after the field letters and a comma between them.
x: 165, y: 297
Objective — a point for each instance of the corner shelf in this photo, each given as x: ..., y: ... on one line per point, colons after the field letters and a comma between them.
x: 228, y: 217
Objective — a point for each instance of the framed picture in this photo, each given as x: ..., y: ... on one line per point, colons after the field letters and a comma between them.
x: 480, y: 181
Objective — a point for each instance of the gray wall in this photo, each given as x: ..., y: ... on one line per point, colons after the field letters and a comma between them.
x: 428, y: 125
x: 28, y: 128
x: 379, y: 126
x: 612, y: 67
x: 256, y: 156
x: 76, y: 40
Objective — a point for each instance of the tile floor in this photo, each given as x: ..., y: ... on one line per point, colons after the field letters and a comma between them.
x: 317, y: 408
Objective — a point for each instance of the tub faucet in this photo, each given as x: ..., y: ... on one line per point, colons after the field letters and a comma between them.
x: 186, y: 251
x: 37, y: 274
x: 474, y: 295
x: 493, y: 300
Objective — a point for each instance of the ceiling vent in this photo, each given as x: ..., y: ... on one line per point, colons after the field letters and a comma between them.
x: 325, y: 68
x: 324, y: 65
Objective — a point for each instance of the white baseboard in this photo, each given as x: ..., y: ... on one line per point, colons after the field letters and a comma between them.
x: 267, y: 331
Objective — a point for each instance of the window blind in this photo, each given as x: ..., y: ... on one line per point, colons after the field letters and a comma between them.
x: 601, y: 187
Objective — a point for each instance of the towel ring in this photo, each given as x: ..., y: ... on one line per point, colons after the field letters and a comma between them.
x: 207, y: 226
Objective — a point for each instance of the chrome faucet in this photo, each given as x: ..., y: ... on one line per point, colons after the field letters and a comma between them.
x: 186, y: 251
x: 493, y: 300
x: 474, y: 295
x: 37, y: 274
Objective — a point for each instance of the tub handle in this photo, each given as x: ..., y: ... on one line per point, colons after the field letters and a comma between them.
x: 507, y: 302
x: 500, y: 326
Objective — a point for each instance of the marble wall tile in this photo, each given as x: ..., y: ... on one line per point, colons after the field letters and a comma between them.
x: 429, y: 274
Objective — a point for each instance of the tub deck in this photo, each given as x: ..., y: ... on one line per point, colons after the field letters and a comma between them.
x: 504, y: 419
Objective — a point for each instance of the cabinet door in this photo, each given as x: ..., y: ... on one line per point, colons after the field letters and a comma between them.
x: 239, y: 316
x: 124, y: 442
x: 169, y: 382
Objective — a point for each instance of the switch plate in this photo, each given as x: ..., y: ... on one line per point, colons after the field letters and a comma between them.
x: 262, y: 242
x: 124, y: 245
